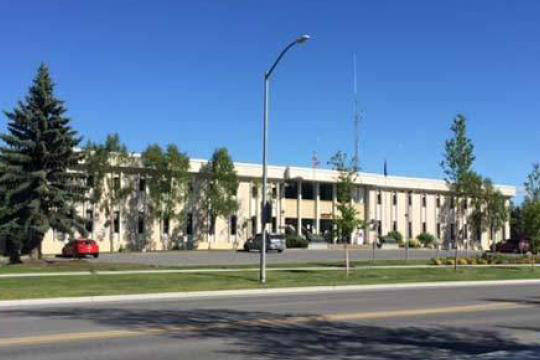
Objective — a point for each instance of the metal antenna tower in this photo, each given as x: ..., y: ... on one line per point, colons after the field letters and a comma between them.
x: 356, y: 112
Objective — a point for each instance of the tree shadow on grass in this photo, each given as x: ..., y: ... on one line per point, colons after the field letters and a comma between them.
x: 272, y: 336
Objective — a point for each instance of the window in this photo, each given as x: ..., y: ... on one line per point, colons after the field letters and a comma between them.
x: 211, y: 223
x: 424, y: 201
x: 274, y: 192
x: 452, y: 202
x: 274, y: 224
x: 116, y: 183
x: 90, y: 181
x: 142, y: 184
x: 89, y: 220
x: 424, y: 227
x: 232, y: 224
x: 190, y: 187
x: 326, y: 192
x: 379, y: 198
x: 465, y: 204
x: 410, y: 230
x: 140, y: 223
x: 409, y: 197
x: 379, y: 227
x: 253, y: 225
x: 394, y: 226
x: 307, y: 191
x: 465, y: 232
x: 189, y: 224
x: 439, y: 230
x: 394, y: 199
x: 116, y: 222
x: 291, y: 190
x: 438, y: 201
x: 166, y: 225
x: 453, y: 232
x: 254, y: 191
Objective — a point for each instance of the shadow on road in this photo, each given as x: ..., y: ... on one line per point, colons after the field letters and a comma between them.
x: 272, y: 336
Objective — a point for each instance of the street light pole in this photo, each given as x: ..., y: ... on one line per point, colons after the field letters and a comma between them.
x: 267, y: 75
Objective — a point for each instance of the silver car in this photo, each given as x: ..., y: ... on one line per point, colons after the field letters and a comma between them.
x: 273, y: 242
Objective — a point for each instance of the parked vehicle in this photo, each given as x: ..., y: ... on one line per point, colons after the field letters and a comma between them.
x: 275, y: 242
x: 80, y: 248
x: 513, y: 246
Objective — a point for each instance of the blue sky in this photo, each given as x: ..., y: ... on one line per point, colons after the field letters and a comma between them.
x: 190, y: 73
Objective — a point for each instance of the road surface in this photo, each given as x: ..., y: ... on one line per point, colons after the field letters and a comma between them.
x: 449, y: 323
x: 209, y: 258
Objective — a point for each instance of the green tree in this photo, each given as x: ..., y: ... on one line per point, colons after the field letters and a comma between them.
x: 168, y: 172
x: 38, y: 155
x: 532, y: 185
x: 489, y: 206
x: 347, y: 219
x: 219, y: 185
x: 105, y: 164
x: 531, y: 220
x: 457, y: 164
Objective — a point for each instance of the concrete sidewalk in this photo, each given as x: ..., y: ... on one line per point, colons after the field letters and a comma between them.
x: 212, y: 270
x: 7, y: 304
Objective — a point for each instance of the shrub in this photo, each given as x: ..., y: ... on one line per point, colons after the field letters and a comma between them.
x: 414, y: 243
x: 436, y: 261
x: 396, y: 235
x: 426, y: 239
x: 295, y: 241
x: 462, y: 261
x: 449, y: 262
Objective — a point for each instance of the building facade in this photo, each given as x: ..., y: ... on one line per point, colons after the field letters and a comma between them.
x: 303, y: 200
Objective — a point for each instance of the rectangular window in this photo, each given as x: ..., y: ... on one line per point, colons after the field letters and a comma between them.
x: 90, y: 181
x: 166, y: 225
x: 140, y: 223
x: 424, y: 201
x: 89, y: 220
x: 452, y: 202
x: 379, y: 228
x: 394, y: 226
x: 189, y: 224
x: 379, y: 198
x: 254, y: 191
x: 307, y: 191
x: 291, y: 190
x: 142, y: 184
x: 211, y: 223
x: 439, y: 230
x: 232, y: 224
x: 116, y: 222
x: 326, y: 192
x: 424, y: 227
x: 438, y: 201
x: 465, y: 231
x: 274, y: 192
x: 274, y: 225
x: 465, y: 204
x: 394, y: 199
x: 410, y: 230
x: 410, y: 199
x: 116, y: 183
x: 452, y: 232
x: 253, y: 226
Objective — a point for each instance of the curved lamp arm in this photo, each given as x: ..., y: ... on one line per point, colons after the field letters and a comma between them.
x: 300, y: 40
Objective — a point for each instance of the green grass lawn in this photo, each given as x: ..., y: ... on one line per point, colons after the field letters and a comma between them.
x: 83, y: 265
x: 23, y: 288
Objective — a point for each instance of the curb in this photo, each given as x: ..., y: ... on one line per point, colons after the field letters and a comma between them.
x: 6, y: 304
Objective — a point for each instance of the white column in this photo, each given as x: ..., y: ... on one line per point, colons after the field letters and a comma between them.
x: 298, y: 212
x: 317, y: 209
x: 334, y: 210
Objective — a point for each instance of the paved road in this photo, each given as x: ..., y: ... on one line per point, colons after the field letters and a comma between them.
x: 206, y: 258
x: 451, y: 323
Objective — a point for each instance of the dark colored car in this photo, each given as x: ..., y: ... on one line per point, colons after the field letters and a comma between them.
x: 81, y: 248
x: 273, y: 242
x: 513, y: 246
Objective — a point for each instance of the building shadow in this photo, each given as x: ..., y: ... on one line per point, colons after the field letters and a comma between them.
x: 265, y: 335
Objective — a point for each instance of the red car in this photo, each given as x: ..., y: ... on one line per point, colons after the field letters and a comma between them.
x: 81, y: 248
x: 513, y: 246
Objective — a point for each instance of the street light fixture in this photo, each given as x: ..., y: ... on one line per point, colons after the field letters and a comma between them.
x: 300, y: 40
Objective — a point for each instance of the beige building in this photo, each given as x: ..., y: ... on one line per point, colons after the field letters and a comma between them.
x: 303, y: 199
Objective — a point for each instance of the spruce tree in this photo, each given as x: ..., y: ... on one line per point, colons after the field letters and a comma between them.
x: 39, y: 183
